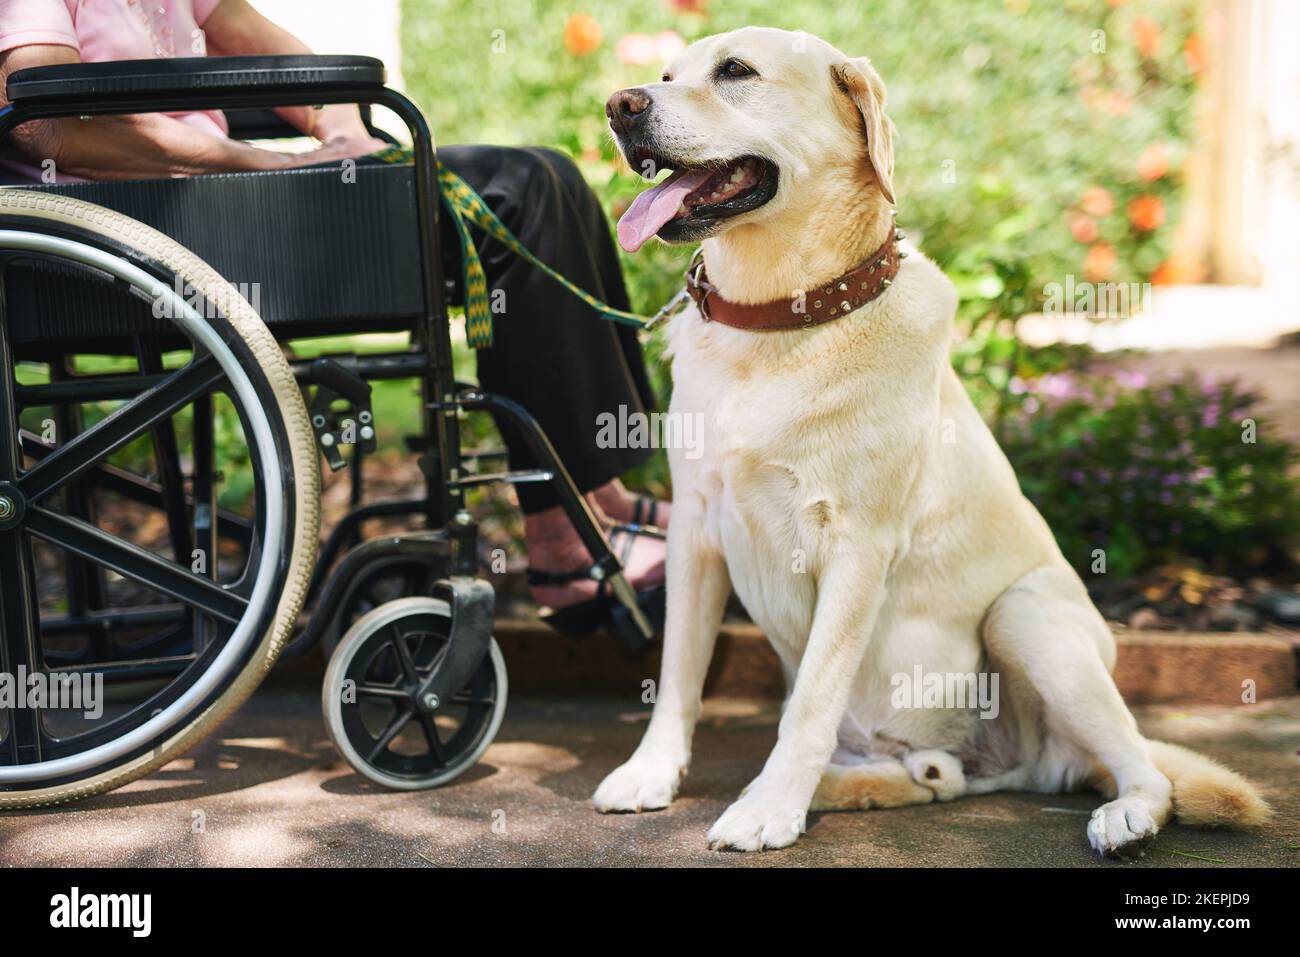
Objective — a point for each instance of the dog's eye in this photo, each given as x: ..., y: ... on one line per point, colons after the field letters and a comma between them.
x: 733, y: 69
x: 666, y: 78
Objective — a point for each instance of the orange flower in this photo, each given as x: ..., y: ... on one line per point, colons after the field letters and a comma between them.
x: 1099, y: 262
x: 1146, y: 34
x: 1154, y: 162
x: 581, y: 34
x: 1146, y: 213
x: 688, y: 6
x: 1082, y: 227
x: 1194, y: 53
x: 1096, y: 201
x: 1177, y: 270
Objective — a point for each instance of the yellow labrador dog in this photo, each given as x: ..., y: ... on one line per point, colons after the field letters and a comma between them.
x: 847, y: 488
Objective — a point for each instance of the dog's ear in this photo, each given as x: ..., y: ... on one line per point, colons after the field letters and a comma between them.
x: 863, y: 85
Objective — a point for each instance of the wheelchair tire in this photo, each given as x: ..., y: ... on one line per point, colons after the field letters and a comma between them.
x: 283, y: 448
x: 367, y: 718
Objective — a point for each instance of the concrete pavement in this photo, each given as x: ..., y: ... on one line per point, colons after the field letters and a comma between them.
x: 267, y: 789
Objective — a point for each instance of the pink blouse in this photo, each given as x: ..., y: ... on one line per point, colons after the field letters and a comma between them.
x: 115, y: 30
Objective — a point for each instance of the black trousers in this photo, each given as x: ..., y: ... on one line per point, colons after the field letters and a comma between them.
x: 551, y: 352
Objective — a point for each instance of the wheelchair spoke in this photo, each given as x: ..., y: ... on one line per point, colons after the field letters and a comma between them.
x: 124, y: 424
x: 378, y: 691
x: 392, y: 731
x: 430, y: 728
x: 132, y: 561
x: 404, y: 657
x: 19, y: 632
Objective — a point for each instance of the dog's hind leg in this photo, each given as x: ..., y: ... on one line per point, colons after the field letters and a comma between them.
x: 1015, y: 779
x: 1045, y: 632
x: 921, y: 777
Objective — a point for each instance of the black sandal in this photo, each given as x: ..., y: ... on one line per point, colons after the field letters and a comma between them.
x: 645, y: 511
x: 590, y: 616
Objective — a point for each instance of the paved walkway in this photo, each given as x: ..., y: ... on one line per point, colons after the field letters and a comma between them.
x: 269, y: 790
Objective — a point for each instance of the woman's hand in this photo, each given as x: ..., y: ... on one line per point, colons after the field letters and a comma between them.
x: 235, y: 27
x: 337, y: 150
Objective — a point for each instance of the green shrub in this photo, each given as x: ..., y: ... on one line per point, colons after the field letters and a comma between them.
x: 1021, y: 143
x: 1153, y: 471
x: 1036, y: 140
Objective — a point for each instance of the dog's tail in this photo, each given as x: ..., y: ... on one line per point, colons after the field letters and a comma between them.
x: 1205, y: 792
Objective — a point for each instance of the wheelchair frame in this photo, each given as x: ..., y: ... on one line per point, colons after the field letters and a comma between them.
x: 448, y: 546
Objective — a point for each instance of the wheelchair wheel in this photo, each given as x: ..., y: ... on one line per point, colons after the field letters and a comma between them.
x: 377, y: 585
x: 178, y: 643
x: 376, y: 714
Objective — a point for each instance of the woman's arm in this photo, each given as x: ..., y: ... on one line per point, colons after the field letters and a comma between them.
x: 234, y: 28
x: 124, y: 147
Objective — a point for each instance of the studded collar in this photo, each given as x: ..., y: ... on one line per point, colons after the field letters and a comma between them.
x: 805, y: 309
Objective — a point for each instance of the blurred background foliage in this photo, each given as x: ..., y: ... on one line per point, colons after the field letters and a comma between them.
x: 1026, y: 131
x: 1035, y: 141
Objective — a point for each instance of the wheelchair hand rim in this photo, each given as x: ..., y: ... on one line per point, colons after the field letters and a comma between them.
x: 246, y: 633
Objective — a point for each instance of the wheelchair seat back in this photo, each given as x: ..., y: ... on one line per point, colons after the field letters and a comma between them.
x: 314, y: 254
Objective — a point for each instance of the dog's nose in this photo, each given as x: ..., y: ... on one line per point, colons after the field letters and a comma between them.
x: 627, y: 108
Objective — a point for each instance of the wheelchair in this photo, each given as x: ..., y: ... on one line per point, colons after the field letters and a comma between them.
x: 160, y: 460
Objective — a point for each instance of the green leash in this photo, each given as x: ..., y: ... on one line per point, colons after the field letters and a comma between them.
x: 466, y: 206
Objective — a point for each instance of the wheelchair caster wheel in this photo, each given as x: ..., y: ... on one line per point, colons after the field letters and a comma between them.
x: 383, y: 724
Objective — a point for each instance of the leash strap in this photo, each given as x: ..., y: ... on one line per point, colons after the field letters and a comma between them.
x: 466, y: 206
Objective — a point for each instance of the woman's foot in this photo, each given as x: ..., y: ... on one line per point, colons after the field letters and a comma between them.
x: 628, y: 509
x: 554, y: 546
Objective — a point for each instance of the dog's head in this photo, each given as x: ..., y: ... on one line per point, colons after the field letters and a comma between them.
x: 753, y: 124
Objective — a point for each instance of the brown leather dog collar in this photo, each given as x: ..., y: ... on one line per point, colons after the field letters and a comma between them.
x: 828, y: 301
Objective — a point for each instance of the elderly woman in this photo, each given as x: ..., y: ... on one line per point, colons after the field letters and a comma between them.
x: 558, y: 359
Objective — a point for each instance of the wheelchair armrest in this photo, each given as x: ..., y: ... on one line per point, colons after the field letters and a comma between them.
x: 267, y: 125
x: 259, y: 125
x: 191, y: 83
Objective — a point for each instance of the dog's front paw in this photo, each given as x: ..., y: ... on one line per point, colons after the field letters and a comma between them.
x: 638, y: 785
x: 758, y: 822
x: 1122, y: 828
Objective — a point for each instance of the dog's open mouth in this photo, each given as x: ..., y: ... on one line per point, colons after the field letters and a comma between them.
x: 689, y: 201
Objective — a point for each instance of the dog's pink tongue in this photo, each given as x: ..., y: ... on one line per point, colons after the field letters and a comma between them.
x: 656, y: 206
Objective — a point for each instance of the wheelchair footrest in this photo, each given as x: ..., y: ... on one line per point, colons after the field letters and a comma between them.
x: 522, y: 477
